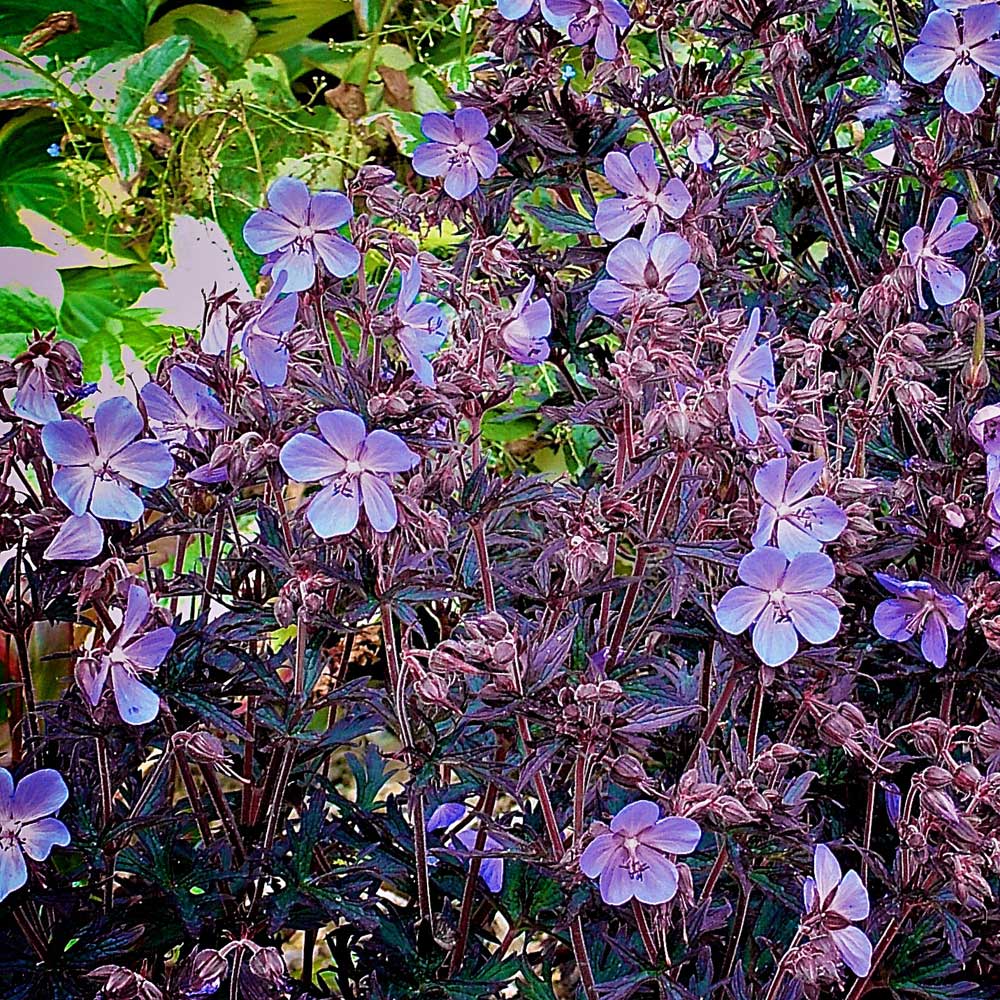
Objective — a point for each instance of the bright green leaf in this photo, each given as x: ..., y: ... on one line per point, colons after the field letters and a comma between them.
x: 221, y: 37
x: 20, y: 86
x: 151, y: 71
x: 123, y: 152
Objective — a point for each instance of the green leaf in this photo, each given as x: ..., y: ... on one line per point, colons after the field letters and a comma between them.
x: 123, y: 152
x: 222, y: 38
x: 97, y: 317
x: 151, y: 71
x: 21, y: 312
x: 283, y: 23
x: 22, y: 87
x: 368, y: 13
x: 560, y: 220
x: 124, y: 20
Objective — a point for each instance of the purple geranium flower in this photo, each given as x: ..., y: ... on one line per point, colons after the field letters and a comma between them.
x: 646, y: 199
x: 945, y: 48
x: 34, y: 399
x: 91, y: 481
x: 525, y: 333
x: 919, y: 608
x: 514, y: 10
x: 457, y: 150
x: 189, y: 408
x: 632, y: 859
x: 352, y: 467
x: 750, y: 373
x: 421, y: 327
x: 781, y: 603
x: 132, y: 651
x: 646, y: 271
x: 802, y: 524
x: 301, y: 229
x: 701, y: 149
x: 833, y: 902
x: 927, y: 254
x: 591, y: 19
x: 264, y: 340
x: 27, y: 826
x: 984, y: 428
x: 452, y: 813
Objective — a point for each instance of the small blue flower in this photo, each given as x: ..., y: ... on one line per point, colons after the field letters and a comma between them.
x: 568, y: 72
x: 54, y: 150
x: 155, y: 121
x: 161, y: 97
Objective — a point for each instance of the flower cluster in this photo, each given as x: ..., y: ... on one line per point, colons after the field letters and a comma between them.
x: 540, y: 536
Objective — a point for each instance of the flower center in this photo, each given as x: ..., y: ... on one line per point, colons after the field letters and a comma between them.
x: 306, y: 233
x: 353, y: 467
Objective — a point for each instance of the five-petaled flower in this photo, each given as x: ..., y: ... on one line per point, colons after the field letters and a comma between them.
x: 780, y: 602
x: 91, y: 481
x: 524, y: 334
x: 833, y: 902
x: 646, y: 272
x: 456, y: 150
x: 179, y: 416
x: 927, y: 253
x: 750, y: 374
x: 590, y: 19
x: 945, y: 48
x: 646, y: 199
x: 27, y: 824
x: 132, y: 651
x: 420, y: 327
x: 632, y: 860
x: 353, y: 467
x: 801, y: 523
x: 297, y: 229
x: 918, y: 607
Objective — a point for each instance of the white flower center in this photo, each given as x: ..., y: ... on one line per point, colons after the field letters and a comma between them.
x: 353, y: 467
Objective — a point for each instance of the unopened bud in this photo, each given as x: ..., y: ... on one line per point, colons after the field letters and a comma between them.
x: 628, y: 772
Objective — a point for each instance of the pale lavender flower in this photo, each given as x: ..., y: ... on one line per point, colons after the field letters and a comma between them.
x: 801, y: 523
x: 301, y: 229
x: 919, y: 608
x: 750, y: 374
x: 421, y: 327
x: 93, y: 481
x: 452, y: 813
x: 179, y: 416
x: 646, y: 199
x: 780, y: 602
x: 632, y: 860
x: 27, y: 825
x: 833, y: 902
x: 701, y: 148
x: 514, y: 10
x: 34, y: 399
x: 927, y: 252
x: 264, y: 340
x: 651, y: 271
x: 133, y: 650
x: 591, y: 19
x: 80, y: 538
x: 353, y: 467
x: 456, y: 150
x: 945, y: 48
x: 525, y: 332
x: 984, y: 429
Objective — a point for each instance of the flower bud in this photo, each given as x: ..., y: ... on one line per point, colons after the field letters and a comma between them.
x: 628, y: 772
